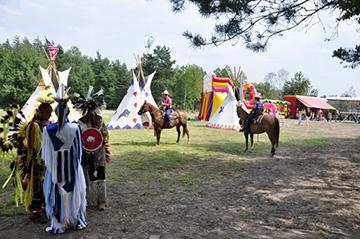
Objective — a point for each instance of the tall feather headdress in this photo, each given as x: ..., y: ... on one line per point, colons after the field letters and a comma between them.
x: 93, y: 102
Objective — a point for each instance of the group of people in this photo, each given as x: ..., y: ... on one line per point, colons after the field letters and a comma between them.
x: 318, y: 115
x: 63, y: 163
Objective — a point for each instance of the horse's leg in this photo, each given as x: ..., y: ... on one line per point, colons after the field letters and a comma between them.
x: 158, y: 132
x: 178, y: 131
x: 273, y: 142
x: 251, y: 140
x: 246, y: 141
x: 187, y: 134
x: 186, y: 131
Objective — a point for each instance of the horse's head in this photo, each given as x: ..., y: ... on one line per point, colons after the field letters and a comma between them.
x: 239, y: 103
x: 241, y: 109
x: 144, y: 108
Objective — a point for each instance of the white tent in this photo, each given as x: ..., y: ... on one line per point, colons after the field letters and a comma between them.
x: 147, y: 96
x: 45, y: 87
x: 126, y: 115
x: 225, y: 116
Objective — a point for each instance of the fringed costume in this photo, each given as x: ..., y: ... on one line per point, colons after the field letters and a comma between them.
x: 64, y: 185
x: 96, y: 151
x: 27, y: 168
x: 8, y: 141
x: 33, y: 168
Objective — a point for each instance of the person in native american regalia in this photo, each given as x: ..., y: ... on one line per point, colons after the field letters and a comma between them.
x: 64, y: 184
x: 96, y: 151
x: 27, y: 168
x: 33, y: 168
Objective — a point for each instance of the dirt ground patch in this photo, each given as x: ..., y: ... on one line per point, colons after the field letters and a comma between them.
x: 311, y: 189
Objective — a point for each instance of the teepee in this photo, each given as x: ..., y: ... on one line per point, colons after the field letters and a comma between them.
x: 48, y: 84
x: 225, y: 116
x: 126, y: 115
x: 146, y: 95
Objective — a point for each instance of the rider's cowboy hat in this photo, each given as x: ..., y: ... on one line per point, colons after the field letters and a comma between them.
x: 258, y: 95
x: 165, y: 92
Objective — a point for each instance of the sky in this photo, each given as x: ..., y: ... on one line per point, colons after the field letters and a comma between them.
x: 117, y: 29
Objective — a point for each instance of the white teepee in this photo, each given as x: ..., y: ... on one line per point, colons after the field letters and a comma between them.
x: 146, y: 95
x: 225, y: 116
x: 46, y: 86
x: 126, y: 115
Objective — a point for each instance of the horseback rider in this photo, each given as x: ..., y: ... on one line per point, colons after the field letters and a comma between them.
x: 166, y: 105
x: 255, y: 112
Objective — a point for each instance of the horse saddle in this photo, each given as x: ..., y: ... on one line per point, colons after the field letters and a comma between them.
x: 171, y: 119
x: 258, y: 119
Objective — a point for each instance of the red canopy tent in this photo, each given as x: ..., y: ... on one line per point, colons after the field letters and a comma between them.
x: 300, y: 101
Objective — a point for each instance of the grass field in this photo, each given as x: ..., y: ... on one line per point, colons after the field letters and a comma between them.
x: 134, y: 153
x: 211, y: 188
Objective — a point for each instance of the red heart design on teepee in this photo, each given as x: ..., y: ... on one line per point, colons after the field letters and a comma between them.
x: 135, y: 93
x: 134, y: 119
x: 135, y: 105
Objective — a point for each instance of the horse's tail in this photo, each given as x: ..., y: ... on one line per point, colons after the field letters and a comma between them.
x: 277, y: 131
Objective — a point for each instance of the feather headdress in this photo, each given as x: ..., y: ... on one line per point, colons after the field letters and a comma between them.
x: 46, y: 97
x: 93, y: 102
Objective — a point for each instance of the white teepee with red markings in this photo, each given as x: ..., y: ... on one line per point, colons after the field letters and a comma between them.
x: 147, y: 96
x: 126, y: 115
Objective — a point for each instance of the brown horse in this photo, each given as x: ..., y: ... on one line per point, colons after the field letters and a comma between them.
x: 268, y: 124
x: 157, y: 117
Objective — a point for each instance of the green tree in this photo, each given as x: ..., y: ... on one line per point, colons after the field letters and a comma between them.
x: 267, y: 90
x: 105, y: 78
x: 161, y: 62
x: 255, y: 22
x: 121, y: 84
x: 222, y: 72
x: 81, y: 75
x: 299, y: 85
x: 19, y: 70
x: 272, y: 85
x: 188, y: 86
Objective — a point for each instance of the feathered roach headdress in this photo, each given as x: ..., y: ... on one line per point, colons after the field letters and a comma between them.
x: 93, y: 102
x: 45, y: 101
x: 62, y: 109
x: 46, y: 97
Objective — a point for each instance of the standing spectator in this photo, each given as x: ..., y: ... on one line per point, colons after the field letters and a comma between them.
x: 329, y: 116
x: 308, y: 115
x: 298, y: 115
